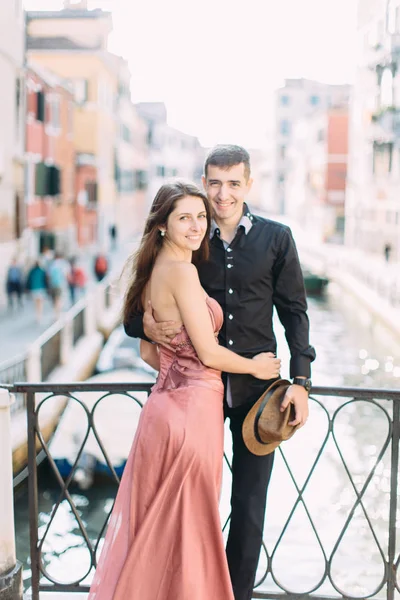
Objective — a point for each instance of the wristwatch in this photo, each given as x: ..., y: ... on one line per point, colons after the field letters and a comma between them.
x: 305, y: 383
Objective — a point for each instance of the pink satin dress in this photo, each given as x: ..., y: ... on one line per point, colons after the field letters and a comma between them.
x: 164, y: 539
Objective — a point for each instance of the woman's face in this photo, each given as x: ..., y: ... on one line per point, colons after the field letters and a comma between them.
x: 187, y: 224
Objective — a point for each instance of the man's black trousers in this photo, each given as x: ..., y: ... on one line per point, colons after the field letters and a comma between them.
x: 250, y: 479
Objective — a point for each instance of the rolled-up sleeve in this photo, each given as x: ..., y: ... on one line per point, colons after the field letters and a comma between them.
x: 289, y: 298
x: 134, y: 327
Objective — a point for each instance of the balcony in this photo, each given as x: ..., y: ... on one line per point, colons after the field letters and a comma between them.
x: 385, y: 125
x: 386, y: 54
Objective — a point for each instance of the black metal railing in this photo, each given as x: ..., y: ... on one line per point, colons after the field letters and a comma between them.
x: 332, y: 502
x: 13, y: 370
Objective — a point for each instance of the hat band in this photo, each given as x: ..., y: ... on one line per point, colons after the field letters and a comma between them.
x: 259, y: 413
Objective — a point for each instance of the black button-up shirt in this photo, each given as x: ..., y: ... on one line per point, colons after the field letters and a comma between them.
x: 260, y: 269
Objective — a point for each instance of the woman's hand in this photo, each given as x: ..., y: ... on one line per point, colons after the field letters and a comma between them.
x: 266, y: 366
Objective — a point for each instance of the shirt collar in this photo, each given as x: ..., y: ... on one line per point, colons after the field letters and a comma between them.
x: 246, y: 222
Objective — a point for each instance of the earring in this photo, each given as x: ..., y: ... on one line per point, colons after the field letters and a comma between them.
x: 162, y: 232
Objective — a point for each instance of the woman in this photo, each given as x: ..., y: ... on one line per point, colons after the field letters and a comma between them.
x: 164, y: 540
x: 36, y: 285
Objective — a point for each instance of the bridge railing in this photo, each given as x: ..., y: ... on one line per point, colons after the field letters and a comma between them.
x: 332, y: 504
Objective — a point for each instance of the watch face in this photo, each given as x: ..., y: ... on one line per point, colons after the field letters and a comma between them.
x: 305, y: 383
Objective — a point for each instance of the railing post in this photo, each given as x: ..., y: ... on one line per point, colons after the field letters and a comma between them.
x: 394, y: 481
x: 34, y: 364
x: 100, y: 301
x: 66, y: 341
x: 90, y: 315
x: 10, y: 568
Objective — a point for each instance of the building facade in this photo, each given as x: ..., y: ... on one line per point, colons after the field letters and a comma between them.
x: 373, y: 201
x: 12, y: 103
x: 317, y: 172
x: 295, y: 100
x: 131, y: 160
x: 49, y: 163
x: 73, y: 44
x: 172, y: 153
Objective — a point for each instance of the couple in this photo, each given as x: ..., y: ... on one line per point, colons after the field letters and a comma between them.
x: 200, y: 277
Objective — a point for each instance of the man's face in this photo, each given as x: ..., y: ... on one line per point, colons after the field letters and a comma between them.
x: 227, y: 190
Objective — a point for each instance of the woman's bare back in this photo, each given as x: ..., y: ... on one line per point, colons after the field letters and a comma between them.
x: 159, y: 292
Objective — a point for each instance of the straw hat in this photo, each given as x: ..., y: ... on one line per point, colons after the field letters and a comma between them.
x: 265, y: 426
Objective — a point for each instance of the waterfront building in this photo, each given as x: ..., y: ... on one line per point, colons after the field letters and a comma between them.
x: 49, y: 163
x: 12, y: 102
x: 172, y: 153
x: 373, y: 204
x: 73, y: 44
x: 295, y: 100
x: 316, y: 177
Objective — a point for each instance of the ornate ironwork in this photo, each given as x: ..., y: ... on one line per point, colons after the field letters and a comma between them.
x: 340, y: 474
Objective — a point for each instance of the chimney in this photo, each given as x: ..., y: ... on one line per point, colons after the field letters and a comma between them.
x: 75, y: 4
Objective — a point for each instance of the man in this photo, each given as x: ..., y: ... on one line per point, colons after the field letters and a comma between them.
x: 253, y: 266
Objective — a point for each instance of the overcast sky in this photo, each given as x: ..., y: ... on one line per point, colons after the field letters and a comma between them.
x: 215, y: 63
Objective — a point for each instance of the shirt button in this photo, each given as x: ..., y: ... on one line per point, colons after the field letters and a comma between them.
x: 229, y: 249
x: 230, y: 317
x: 230, y: 342
x: 229, y: 266
x: 230, y: 291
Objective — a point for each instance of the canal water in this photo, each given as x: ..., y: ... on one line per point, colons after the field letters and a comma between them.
x: 317, y: 542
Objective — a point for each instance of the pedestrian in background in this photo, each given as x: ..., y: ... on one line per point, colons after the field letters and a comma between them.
x: 387, y: 250
x: 14, y: 283
x: 100, y: 266
x: 76, y: 279
x: 113, y: 236
x: 57, y: 278
x: 36, y: 286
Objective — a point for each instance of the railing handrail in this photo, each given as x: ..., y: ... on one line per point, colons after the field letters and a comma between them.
x: 340, y: 391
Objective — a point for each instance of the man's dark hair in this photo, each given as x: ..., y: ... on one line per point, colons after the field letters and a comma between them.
x: 226, y: 156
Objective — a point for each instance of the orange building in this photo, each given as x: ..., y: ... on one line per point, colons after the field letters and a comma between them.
x: 317, y: 174
x: 52, y: 184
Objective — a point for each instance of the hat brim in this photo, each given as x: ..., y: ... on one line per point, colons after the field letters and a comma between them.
x: 248, y: 434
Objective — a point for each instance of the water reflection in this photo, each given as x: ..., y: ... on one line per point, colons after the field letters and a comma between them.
x: 333, y: 461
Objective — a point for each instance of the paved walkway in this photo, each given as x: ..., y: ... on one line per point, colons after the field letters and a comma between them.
x: 19, y: 329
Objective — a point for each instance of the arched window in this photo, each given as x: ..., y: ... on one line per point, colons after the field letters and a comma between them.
x: 386, y: 92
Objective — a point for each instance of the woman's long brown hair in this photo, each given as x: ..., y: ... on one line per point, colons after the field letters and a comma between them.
x: 145, y: 257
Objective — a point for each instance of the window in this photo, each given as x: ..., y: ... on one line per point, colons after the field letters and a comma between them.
x: 54, y: 102
x: 29, y: 181
x: 314, y: 100
x: 70, y: 118
x: 285, y: 100
x: 126, y: 181
x: 160, y: 171
x: 126, y: 133
x: 386, y: 88
x: 91, y: 193
x: 285, y: 127
x: 47, y: 180
x: 141, y: 180
x: 392, y: 18
x: 382, y: 158
x: 40, y: 104
x: 81, y: 90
